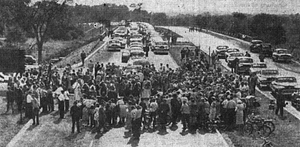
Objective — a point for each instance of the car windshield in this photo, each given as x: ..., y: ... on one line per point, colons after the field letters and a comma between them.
x: 161, y: 43
x: 281, y: 51
x: 232, y: 50
x: 246, y: 60
x: 286, y: 79
x: 269, y: 72
x: 137, y: 36
x: 259, y: 66
x: 222, y: 47
x: 236, y: 54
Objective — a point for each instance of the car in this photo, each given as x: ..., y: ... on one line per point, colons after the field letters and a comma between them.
x: 221, y: 50
x: 161, y: 47
x: 136, y: 44
x: 4, y: 77
x: 131, y: 69
x: 139, y: 40
x: 29, y: 60
x: 255, y: 46
x: 183, y: 41
x: 232, y: 56
x: 125, y: 56
x: 230, y: 50
x: 244, y: 66
x: 266, y: 77
x: 266, y: 49
x: 114, y: 45
x: 257, y: 66
x: 120, y: 33
x: 296, y: 99
x: 284, y: 87
x: 281, y: 55
x: 122, y: 41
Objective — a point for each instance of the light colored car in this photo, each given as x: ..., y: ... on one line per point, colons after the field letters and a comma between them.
x: 266, y: 77
x: 258, y: 66
x: 231, y: 56
x: 183, y: 41
x: 136, y: 44
x: 4, y: 77
x: 284, y: 87
x: 161, y: 47
x: 221, y: 50
x: 114, y: 45
x: 122, y: 41
x: 29, y: 60
x: 229, y: 51
x: 245, y: 64
x: 281, y: 55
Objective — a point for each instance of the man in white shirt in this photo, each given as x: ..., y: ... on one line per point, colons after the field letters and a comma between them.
x: 67, y: 100
x: 29, y: 98
x: 153, y: 107
x: 61, y: 103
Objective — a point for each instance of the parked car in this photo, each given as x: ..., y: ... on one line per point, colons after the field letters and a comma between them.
x: 229, y: 51
x: 161, y: 47
x: 221, y: 50
x: 255, y: 46
x: 296, y: 99
x: 232, y: 56
x: 244, y: 66
x: 125, y: 56
x: 122, y: 41
x: 257, y: 66
x: 136, y: 44
x: 281, y: 55
x: 183, y: 41
x: 29, y: 60
x: 284, y: 87
x: 266, y: 77
x: 266, y: 49
x: 114, y: 45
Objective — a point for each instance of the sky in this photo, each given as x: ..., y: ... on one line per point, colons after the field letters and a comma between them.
x: 213, y: 6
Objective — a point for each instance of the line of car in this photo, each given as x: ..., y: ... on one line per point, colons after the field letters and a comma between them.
x: 268, y: 78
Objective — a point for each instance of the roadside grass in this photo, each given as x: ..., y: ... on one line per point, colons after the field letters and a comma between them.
x: 8, y: 123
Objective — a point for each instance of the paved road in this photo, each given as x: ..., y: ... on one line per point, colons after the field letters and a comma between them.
x: 52, y: 132
x: 208, y: 41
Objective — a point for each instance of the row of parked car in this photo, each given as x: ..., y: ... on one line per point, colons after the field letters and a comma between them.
x: 268, y: 78
x: 279, y: 54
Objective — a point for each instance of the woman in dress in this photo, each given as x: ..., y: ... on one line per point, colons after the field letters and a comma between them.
x: 240, y: 115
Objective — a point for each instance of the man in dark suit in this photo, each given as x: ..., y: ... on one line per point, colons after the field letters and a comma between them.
x: 75, y: 114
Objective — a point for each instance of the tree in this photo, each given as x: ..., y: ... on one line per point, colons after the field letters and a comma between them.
x: 39, y: 19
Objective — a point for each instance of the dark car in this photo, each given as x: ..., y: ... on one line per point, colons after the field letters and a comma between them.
x: 256, y: 46
x: 29, y: 60
x: 266, y: 49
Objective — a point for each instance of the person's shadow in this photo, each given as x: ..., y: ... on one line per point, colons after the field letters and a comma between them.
x: 57, y: 121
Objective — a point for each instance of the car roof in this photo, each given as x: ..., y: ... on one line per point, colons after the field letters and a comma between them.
x: 256, y: 41
x: 278, y: 49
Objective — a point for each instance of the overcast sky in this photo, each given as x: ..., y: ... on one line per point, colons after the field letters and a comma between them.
x: 214, y: 6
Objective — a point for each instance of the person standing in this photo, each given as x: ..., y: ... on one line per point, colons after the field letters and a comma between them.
x: 231, y: 106
x: 185, y: 110
x: 175, y: 106
x: 153, y: 108
x: 61, y: 103
x: 163, y: 111
x: 75, y: 114
x: 261, y: 57
x: 240, y: 107
x: 136, y: 123
x: 67, y: 100
x: 280, y: 103
x: 36, y: 108
x: 10, y: 99
x: 183, y: 53
x: 29, y: 98
x: 83, y: 56
x: 146, y: 49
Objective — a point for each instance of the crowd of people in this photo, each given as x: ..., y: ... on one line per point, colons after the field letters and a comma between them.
x: 136, y: 96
